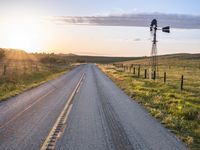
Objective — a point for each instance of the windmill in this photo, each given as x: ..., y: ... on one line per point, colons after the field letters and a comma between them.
x: 153, y: 59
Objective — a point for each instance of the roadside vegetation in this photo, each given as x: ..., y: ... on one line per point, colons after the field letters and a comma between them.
x: 178, y: 110
x: 20, y: 71
x: 13, y: 85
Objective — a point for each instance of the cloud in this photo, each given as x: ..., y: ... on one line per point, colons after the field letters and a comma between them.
x: 142, y: 19
x: 137, y: 39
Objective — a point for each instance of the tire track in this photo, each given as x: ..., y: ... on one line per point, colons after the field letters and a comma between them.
x: 119, y: 138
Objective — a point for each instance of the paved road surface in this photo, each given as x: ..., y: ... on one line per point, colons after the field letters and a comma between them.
x: 25, y: 120
x: 102, y: 117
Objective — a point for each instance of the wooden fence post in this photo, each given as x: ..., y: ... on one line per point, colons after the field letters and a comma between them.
x: 16, y: 69
x: 24, y: 68
x: 36, y: 67
x: 132, y: 69
x: 4, y: 69
x: 154, y: 75
x: 182, y: 82
x: 138, y: 71
x: 31, y: 67
x: 164, y: 77
x: 145, y: 73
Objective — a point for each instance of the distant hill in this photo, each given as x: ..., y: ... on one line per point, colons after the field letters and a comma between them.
x: 100, y: 59
x: 181, y: 59
x: 181, y: 56
x: 96, y: 59
x: 20, y: 55
x: 70, y: 54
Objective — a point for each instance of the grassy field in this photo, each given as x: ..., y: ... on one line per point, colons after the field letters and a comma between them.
x: 178, y: 110
x: 20, y: 71
x: 18, y: 81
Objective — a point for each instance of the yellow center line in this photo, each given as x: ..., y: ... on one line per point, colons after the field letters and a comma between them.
x: 21, y: 112
x: 64, y: 114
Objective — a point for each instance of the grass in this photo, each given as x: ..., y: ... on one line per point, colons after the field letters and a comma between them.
x: 178, y: 110
x: 12, y: 85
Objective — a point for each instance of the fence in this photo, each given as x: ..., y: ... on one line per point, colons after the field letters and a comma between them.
x: 177, y: 76
x: 20, y: 68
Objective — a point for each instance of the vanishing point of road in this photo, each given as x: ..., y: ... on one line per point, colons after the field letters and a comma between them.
x: 81, y: 110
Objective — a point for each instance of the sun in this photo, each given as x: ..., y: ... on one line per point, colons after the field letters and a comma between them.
x: 31, y: 33
x: 20, y: 40
x: 22, y: 34
x: 22, y: 37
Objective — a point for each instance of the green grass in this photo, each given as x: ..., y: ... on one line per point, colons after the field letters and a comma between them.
x: 12, y: 85
x: 177, y: 110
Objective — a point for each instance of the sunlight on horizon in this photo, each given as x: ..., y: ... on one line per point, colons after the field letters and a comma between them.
x: 29, y: 33
x: 38, y: 34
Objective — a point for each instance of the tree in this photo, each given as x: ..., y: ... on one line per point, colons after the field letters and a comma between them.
x: 2, y: 53
x: 49, y: 59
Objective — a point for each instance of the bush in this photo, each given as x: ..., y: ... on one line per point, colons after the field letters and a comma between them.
x: 2, y: 53
x: 53, y: 59
x: 48, y: 59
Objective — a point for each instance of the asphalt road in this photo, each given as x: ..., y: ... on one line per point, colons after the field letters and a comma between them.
x: 102, y: 117
x: 25, y: 120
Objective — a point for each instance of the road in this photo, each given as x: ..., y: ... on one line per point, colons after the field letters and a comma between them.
x: 26, y: 119
x: 102, y: 117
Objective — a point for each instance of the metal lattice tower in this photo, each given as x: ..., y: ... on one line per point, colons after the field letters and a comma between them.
x: 153, y: 59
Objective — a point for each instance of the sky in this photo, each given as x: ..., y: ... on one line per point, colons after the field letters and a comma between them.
x: 28, y: 25
x: 93, y: 7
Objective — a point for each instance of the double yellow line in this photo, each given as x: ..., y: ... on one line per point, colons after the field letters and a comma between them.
x: 58, y: 127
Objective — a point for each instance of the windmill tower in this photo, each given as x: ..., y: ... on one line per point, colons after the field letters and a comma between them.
x: 153, y: 59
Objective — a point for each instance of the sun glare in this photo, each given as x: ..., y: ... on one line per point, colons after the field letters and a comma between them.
x: 22, y: 33
x: 20, y: 40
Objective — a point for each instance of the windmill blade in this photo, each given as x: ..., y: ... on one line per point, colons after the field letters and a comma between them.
x: 153, y: 23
